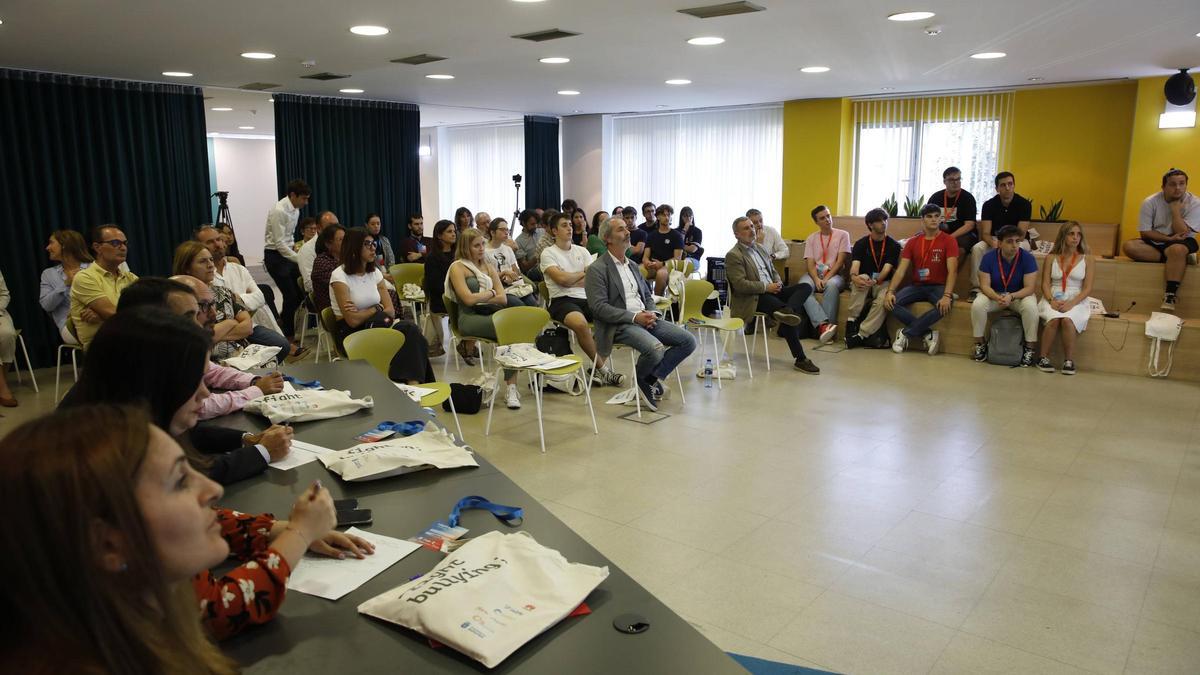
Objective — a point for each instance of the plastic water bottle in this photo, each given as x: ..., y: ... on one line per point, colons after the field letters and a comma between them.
x: 708, y: 373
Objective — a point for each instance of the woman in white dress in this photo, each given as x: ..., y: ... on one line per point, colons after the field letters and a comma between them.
x: 1066, y: 284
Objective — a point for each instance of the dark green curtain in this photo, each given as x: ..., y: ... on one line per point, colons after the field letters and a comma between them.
x: 358, y: 157
x: 76, y: 152
x: 543, y: 188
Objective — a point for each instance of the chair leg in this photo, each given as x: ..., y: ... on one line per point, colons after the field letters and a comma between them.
x: 487, y: 430
x: 454, y: 411
x: 57, y: 371
x: 587, y: 391
x: 746, y: 348
x: 28, y: 363
x: 679, y: 379
x: 74, y: 368
x: 537, y: 397
x: 717, y: 362
x: 637, y: 395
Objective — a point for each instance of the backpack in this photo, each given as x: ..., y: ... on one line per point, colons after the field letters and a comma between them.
x: 1005, y: 341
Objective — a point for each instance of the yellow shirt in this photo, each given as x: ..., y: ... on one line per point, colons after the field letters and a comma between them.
x: 92, y: 284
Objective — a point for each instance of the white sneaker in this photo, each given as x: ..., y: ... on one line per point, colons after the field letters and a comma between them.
x: 900, y: 343
x: 931, y: 342
x: 512, y: 398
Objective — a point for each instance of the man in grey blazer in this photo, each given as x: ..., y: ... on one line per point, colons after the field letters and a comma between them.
x: 623, y: 311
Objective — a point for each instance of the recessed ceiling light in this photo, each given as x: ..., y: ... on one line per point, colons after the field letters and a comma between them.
x: 246, y: 128
x: 910, y: 16
x: 705, y: 41
x: 576, y: 111
x: 351, y: 91
x: 1036, y: 79
x: 679, y: 81
x: 555, y: 59
x: 257, y: 55
x: 176, y: 73
x: 660, y: 106
x: 815, y: 69
x: 887, y: 89
x: 369, y: 31
x: 221, y: 109
x: 989, y: 55
x: 567, y: 92
x: 437, y: 76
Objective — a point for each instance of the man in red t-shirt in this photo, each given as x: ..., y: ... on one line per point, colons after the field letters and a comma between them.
x: 929, y: 265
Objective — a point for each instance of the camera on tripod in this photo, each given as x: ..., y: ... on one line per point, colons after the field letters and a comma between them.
x: 517, y: 179
x: 221, y: 196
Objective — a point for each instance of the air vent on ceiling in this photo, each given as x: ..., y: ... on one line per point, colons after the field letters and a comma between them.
x: 723, y: 9
x: 544, y: 35
x: 419, y: 59
x: 259, y: 86
x: 324, y: 76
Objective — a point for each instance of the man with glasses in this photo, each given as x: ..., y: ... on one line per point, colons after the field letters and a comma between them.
x: 95, y: 290
x: 1168, y: 221
x: 958, y: 210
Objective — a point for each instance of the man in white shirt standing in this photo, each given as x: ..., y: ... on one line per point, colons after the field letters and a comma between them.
x: 825, y: 253
x: 1168, y: 222
x: 564, y: 266
x: 279, y: 255
x: 768, y: 237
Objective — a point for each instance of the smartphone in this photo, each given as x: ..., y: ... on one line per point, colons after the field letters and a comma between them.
x: 345, y: 504
x: 354, y: 517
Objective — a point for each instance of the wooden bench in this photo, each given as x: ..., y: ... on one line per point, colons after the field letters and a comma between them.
x: 1102, y: 238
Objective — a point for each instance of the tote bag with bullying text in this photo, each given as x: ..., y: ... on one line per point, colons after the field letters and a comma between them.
x: 431, y: 448
x: 303, y: 405
x: 494, y: 594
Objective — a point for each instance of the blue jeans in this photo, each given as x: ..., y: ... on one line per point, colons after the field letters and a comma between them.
x: 663, y: 347
x: 918, y: 326
x: 265, y: 336
x: 827, y: 309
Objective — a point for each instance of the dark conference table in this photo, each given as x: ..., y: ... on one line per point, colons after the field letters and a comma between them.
x: 314, y: 635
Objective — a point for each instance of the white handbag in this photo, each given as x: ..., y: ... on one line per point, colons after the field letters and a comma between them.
x: 302, y: 405
x: 430, y: 448
x: 494, y: 594
x: 254, y: 356
x: 1162, y: 328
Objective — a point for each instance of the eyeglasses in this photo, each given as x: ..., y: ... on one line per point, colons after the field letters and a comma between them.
x: 207, y: 305
x: 369, y: 242
x: 117, y: 243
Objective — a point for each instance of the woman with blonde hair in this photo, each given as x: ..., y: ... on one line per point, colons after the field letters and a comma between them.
x: 1067, y: 275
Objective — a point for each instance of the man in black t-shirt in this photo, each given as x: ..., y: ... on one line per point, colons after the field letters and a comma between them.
x: 648, y: 223
x: 637, y: 236
x: 958, y: 210
x: 663, y: 244
x: 1006, y: 208
x: 872, y: 261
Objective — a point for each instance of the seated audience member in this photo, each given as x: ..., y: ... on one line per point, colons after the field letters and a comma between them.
x: 158, y: 359
x: 483, y: 223
x: 1067, y: 276
x: 65, y: 247
x: 568, y: 206
x: 547, y: 240
x: 565, y: 267
x: 755, y: 286
x: 231, y: 245
x: 329, y: 252
x: 768, y: 237
x: 929, y: 265
x: 308, y: 230
x: 872, y: 261
x: 1007, y: 281
x: 95, y: 290
x: 385, y: 257
x: 8, y: 346
x: 663, y: 245
x: 595, y: 245
x: 414, y: 245
x: 462, y: 219
x: 825, y: 254
x: 237, y: 279
x: 361, y: 300
x: 476, y: 287
x: 579, y: 227
x: 1167, y: 224
x: 692, y: 236
x: 623, y: 311
x: 308, y: 252
x: 637, y: 236
x: 958, y: 210
x: 617, y: 212
x: 527, y: 244
x: 437, y: 262
x: 500, y: 255
x: 1006, y: 208
x: 649, y: 219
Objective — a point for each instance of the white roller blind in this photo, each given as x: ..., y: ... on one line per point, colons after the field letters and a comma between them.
x: 475, y: 168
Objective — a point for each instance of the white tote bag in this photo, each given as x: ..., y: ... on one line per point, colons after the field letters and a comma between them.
x: 254, y: 356
x: 431, y: 448
x: 303, y: 405
x: 1162, y: 328
x: 494, y: 594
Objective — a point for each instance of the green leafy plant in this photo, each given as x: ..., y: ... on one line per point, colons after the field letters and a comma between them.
x: 890, y: 206
x: 1054, y: 215
x: 912, y: 207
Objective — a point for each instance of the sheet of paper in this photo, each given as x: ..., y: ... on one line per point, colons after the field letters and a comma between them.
x: 551, y: 365
x: 415, y: 393
x: 302, y: 453
x: 331, y: 578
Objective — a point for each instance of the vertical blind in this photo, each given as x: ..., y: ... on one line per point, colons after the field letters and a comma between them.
x: 902, y: 145
x: 719, y: 162
x: 476, y: 167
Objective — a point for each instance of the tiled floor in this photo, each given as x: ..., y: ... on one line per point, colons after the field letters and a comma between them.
x: 895, y: 514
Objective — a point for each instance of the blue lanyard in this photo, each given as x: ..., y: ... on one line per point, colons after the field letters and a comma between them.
x: 402, y: 428
x: 512, y: 516
x: 307, y: 384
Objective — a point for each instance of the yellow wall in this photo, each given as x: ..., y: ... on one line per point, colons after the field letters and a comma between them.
x: 815, y: 135
x: 1154, y: 151
x: 1073, y: 143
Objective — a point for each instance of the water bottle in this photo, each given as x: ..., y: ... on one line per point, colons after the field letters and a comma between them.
x: 708, y: 373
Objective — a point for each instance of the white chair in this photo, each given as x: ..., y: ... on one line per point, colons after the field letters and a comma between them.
x: 28, y: 363
x: 75, y: 350
x: 760, y: 328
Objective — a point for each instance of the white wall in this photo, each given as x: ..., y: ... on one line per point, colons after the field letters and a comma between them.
x: 582, y: 140
x: 246, y: 169
x: 429, y: 180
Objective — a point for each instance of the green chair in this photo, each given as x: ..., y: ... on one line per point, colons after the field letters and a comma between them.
x: 378, y: 346
x: 695, y: 292
x: 409, y: 273
x: 456, y: 335
x: 521, y: 325
x: 329, y: 325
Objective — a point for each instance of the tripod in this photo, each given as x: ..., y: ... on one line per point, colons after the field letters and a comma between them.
x: 517, y: 204
x: 223, y: 217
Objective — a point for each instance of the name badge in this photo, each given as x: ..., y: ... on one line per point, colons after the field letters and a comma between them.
x: 923, y: 273
x: 822, y: 268
x: 874, y: 276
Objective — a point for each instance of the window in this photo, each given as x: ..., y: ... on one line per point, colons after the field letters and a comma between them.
x: 719, y: 162
x: 476, y: 167
x: 903, y: 145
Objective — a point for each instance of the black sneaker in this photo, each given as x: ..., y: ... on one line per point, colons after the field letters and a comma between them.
x: 646, y: 392
x: 658, y: 390
x: 1026, y: 357
x: 787, y: 316
x: 806, y: 366
x: 1045, y: 366
x: 980, y: 353
x: 1168, y: 303
x: 854, y: 341
x: 1068, y: 368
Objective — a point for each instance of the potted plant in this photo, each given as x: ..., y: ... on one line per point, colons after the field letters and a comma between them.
x: 1054, y: 215
x: 912, y: 207
x: 890, y: 206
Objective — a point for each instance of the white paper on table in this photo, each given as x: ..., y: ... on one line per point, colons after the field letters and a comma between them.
x: 415, y: 393
x: 552, y: 365
x: 301, y: 453
x: 331, y: 578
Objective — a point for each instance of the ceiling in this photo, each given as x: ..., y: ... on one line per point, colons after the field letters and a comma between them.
x: 626, y: 50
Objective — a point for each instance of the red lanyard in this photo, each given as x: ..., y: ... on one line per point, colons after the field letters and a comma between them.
x: 825, y: 246
x: 956, y: 198
x: 878, y: 258
x: 927, y: 246
x: 1067, y: 272
x: 1012, y: 271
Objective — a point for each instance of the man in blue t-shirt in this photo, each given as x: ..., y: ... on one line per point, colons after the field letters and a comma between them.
x: 1007, y: 281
